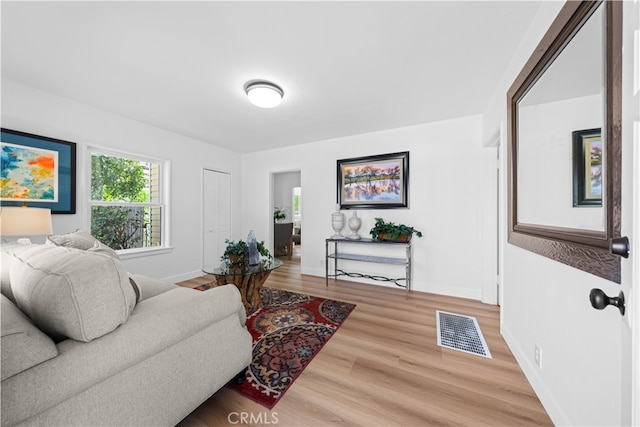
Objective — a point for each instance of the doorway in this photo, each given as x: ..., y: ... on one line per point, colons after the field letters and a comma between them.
x: 287, y: 196
x: 491, y: 217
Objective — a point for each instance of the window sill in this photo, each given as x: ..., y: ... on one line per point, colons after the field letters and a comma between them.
x: 138, y: 253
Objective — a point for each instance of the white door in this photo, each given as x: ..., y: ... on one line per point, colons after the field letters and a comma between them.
x: 629, y: 327
x: 629, y: 323
x: 216, y: 215
x: 625, y: 324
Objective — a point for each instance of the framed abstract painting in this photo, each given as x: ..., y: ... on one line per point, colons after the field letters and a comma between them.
x: 374, y: 182
x: 38, y: 171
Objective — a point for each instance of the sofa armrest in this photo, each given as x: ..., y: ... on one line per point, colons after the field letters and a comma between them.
x: 150, y: 287
x: 155, y: 324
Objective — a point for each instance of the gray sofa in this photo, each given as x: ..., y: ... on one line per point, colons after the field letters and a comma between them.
x: 85, y: 343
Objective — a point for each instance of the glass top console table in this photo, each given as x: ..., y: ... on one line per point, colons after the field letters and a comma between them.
x: 248, y: 278
x: 338, y: 254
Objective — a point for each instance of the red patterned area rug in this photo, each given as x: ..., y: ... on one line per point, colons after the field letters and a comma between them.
x: 288, y: 331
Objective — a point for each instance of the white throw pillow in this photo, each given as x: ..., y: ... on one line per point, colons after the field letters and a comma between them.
x: 70, y: 292
x: 82, y: 240
x: 101, y: 248
x: 78, y: 239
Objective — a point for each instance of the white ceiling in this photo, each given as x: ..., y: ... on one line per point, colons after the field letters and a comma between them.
x: 346, y: 67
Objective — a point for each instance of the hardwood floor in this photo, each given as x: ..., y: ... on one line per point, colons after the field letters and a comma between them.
x: 384, y: 368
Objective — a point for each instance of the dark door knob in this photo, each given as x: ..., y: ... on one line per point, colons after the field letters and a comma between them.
x: 600, y: 300
x: 619, y: 246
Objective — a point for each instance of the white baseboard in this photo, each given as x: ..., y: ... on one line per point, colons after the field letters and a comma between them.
x: 452, y: 291
x: 530, y: 371
x: 312, y: 271
x: 419, y: 287
x: 184, y: 276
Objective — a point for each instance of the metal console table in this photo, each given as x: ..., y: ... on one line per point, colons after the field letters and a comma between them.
x: 336, y: 255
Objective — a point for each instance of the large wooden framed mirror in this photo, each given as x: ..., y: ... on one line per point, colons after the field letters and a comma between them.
x: 564, y: 112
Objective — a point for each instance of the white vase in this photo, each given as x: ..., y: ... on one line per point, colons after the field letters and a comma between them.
x: 354, y: 226
x: 337, y: 223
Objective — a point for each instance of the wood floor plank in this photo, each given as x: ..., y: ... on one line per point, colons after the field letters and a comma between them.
x: 384, y: 368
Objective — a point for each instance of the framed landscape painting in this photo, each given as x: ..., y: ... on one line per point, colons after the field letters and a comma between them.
x: 374, y: 182
x: 587, y: 167
x: 38, y: 171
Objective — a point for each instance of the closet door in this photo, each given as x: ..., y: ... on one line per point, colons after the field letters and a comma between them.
x: 216, y: 215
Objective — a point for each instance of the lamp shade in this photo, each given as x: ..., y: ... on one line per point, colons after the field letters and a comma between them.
x: 264, y: 94
x: 24, y: 221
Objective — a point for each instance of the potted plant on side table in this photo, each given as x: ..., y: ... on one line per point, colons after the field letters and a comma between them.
x: 236, y: 253
x: 389, y: 231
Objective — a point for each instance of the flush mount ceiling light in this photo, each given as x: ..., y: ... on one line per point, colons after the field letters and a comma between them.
x: 264, y: 94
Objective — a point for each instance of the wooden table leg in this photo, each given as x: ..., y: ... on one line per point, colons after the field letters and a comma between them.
x: 249, y: 286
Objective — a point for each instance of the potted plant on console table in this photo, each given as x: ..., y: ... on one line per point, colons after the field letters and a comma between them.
x: 391, y: 232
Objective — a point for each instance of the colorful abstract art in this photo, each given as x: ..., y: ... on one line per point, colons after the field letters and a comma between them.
x: 28, y: 173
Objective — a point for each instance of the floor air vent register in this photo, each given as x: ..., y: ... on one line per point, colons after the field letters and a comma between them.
x: 462, y: 333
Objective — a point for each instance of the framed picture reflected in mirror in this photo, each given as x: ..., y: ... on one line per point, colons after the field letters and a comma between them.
x: 587, y: 167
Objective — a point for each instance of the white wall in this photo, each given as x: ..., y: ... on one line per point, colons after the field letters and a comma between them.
x: 547, y: 303
x: 29, y: 110
x: 445, y: 188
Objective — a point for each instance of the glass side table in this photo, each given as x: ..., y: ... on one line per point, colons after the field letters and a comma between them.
x: 248, y: 278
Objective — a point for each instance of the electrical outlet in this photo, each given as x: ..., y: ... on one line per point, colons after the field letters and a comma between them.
x: 537, y: 356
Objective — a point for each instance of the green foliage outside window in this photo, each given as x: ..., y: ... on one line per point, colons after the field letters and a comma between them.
x: 118, y: 227
x: 296, y: 204
x: 116, y: 179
